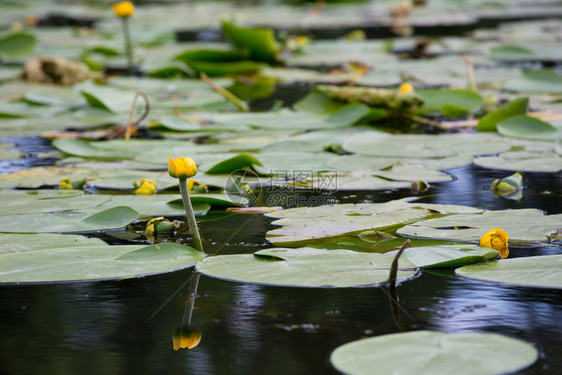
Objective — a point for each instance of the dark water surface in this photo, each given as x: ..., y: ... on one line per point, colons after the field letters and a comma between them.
x: 126, y: 327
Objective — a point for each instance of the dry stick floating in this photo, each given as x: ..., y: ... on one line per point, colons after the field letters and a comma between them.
x: 225, y: 93
x: 394, y: 266
x: 470, y: 73
x: 130, y: 124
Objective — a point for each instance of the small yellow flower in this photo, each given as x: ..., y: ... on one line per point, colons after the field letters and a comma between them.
x: 182, y: 168
x: 186, y: 337
x: 496, y: 239
x: 406, y: 88
x: 146, y: 187
x: 123, y: 9
x: 66, y: 184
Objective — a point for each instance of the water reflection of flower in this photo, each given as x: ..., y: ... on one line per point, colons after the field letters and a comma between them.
x: 186, y: 336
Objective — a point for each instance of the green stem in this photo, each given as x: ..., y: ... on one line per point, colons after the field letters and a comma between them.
x: 128, y: 46
x: 394, y: 267
x: 190, y: 215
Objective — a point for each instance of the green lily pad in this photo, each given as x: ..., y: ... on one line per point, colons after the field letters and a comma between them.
x: 116, y: 217
x: 536, y: 271
x: 79, y: 147
x: 17, y: 44
x: 444, y: 100
x: 491, y: 119
x: 260, y: 42
x: 431, y: 352
x: 526, y: 127
x: 542, y: 80
x: 522, y: 225
x: 233, y: 164
x: 20, y: 243
x: 309, y: 224
x: 304, y: 267
x: 93, y: 262
x: 524, y: 161
x: 423, y: 145
x: 43, y: 201
x: 447, y: 255
x: 367, y: 162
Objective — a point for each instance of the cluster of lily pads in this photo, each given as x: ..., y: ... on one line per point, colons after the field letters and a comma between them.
x: 343, y: 130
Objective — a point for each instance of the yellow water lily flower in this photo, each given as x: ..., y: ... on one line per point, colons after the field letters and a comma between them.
x: 182, y: 168
x: 406, y: 88
x: 66, y: 184
x: 146, y: 187
x: 496, y: 239
x: 123, y: 9
x: 186, y: 337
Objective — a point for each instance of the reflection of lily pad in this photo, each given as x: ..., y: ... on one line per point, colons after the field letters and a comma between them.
x: 542, y: 271
x: 522, y: 225
x: 430, y: 352
x: 91, y: 261
x: 305, y: 266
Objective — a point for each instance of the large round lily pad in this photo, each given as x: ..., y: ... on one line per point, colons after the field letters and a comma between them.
x: 87, y: 259
x: 424, y: 145
x: 522, y: 225
x: 111, y: 218
x: 305, y: 224
x: 541, y: 271
x: 305, y: 267
x: 430, y: 352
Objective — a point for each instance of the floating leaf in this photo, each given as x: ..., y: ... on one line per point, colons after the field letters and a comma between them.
x: 535, y: 271
x: 233, y: 164
x: 526, y: 127
x: 447, y: 255
x: 308, y: 224
x: 522, y: 225
x: 93, y: 262
x: 116, y: 217
x: 430, y: 352
x: 491, y: 119
x: 304, y: 267
x: 260, y: 42
x: 449, y: 102
x: 17, y: 44
x: 542, y: 80
x: 20, y: 243
x: 525, y: 161
x: 423, y: 145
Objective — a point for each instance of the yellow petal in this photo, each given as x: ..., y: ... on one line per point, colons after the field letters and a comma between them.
x: 123, y: 9
x: 496, y: 239
x: 182, y: 167
x: 406, y: 88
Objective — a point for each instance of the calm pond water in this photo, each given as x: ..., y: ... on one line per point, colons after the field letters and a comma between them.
x: 124, y: 327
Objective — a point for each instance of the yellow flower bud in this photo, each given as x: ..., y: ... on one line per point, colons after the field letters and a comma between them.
x: 66, y: 184
x: 123, y: 9
x: 406, y: 88
x: 146, y: 187
x: 182, y: 168
x: 186, y: 337
x: 496, y: 239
